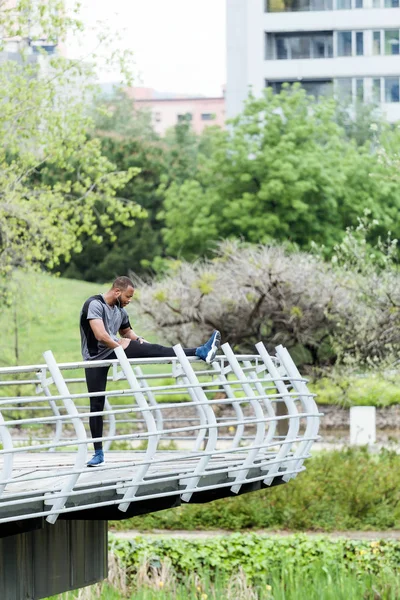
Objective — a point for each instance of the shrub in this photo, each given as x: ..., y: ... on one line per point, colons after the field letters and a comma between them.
x: 370, y: 390
x: 322, y: 312
x: 258, y: 555
x: 341, y: 490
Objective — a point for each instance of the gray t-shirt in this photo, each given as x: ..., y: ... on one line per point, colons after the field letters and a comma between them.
x: 114, y: 319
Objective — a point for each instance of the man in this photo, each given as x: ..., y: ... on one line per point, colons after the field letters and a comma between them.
x: 102, y: 318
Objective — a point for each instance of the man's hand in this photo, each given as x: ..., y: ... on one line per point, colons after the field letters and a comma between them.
x: 124, y: 342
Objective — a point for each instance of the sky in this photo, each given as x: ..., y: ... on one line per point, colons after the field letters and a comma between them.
x: 178, y: 45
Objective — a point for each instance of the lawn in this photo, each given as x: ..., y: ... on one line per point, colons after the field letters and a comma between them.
x: 44, y: 315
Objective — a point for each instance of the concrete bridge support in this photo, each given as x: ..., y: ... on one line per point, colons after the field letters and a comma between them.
x: 51, y: 559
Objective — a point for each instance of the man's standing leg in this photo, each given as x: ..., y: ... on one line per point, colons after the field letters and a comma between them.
x: 96, y: 380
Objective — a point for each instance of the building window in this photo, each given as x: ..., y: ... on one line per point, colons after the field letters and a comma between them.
x: 297, y: 5
x: 157, y: 117
x: 376, y: 43
x: 290, y: 46
x: 314, y: 87
x: 274, y: 6
x: 300, y: 47
x: 360, y: 90
x: 344, y: 88
x: 185, y: 117
x: 376, y: 90
x: 207, y: 116
x: 344, y: 45
x: 359, y: 43
x: 47, y: 48
x: 322, y: 46
x: 392, y: 89
x: 391, y: 41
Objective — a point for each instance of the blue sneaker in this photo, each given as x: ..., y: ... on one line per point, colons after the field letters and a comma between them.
x: 97, y: 459
x: 208, y: 350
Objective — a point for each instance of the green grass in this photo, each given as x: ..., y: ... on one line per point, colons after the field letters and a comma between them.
x: 45, y: 314
x: 243, y: 567
x: 322, y: 584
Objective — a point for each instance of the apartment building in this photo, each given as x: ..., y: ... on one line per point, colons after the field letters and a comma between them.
x: 168, y: 110
x: 347, y: 47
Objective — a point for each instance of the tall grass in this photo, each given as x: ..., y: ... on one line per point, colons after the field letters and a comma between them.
x: 286, y: 583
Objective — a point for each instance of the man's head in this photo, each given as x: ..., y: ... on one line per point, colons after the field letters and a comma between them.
x: 122, y: 290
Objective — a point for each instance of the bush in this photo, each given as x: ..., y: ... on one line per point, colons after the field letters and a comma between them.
x: 371, y: 390
x: 341, y: 490
x: 258, y: 555
x: 322, y: 312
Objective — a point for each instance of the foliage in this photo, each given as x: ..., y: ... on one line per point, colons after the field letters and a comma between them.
x: 155, y: 578
x: 133, y: 245
x: 375, y: 389
x: 258, y: 555
x: 322, y: 312
x: 371, y: 275
x: 129, y: 141
x: 117, y: 115
x: 362, y: 122
x: 249, y: 294
x: 284, y: 170
x: 340, y: 490
x: 43, y: 125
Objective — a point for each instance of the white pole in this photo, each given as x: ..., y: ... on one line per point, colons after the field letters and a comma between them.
x: 362, y: 425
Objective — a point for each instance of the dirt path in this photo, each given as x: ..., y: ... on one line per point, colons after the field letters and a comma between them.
x: 354, y: 535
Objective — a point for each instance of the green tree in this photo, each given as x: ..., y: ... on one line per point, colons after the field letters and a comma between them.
x: 360, y: 121
x: 116, y: 113
x: 43, y: 126
x: 163, y: 162
x: 135, y: 245
x: 283, y: 170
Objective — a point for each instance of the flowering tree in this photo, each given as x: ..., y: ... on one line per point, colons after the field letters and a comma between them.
x: 322, y: 312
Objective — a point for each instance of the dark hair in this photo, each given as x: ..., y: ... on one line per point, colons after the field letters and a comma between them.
x: 122, y: 283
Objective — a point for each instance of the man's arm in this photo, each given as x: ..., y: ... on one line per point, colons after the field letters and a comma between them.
x: 102, y: 336
x: 129, y: 334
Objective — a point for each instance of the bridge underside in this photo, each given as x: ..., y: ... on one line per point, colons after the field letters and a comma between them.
x: 157, y: 495
x: 38, y: 559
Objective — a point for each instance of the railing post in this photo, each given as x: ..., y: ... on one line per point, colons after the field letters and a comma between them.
x: 307, y: 401
x: 222, y: 379
x: 79, y: 427
x: 180, y: 374
x: 259, y: 414
x: 6, y: 440
x: 211, y: 422
x: 261, y: 388
x: 294, y: 421
x: 44, y: 381
x: 151, y: 428
x: 152, y: 400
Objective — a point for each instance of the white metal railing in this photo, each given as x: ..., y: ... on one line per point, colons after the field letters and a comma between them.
x: 244, y: 419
